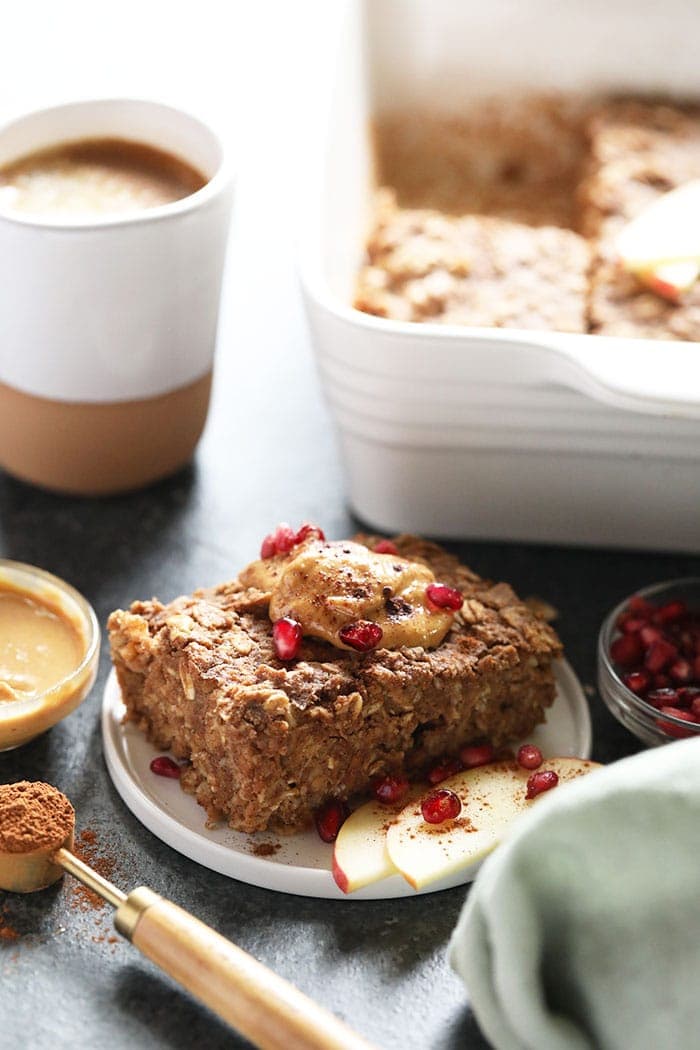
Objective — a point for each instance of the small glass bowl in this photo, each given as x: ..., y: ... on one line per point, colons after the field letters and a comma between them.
x: 641, y: 718
x: 23, y: 720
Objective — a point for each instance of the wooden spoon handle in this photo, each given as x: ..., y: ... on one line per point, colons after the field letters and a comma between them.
x: 266, y: 1009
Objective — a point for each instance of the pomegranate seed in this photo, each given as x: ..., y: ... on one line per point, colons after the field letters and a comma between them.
x: 444, y: 597
x: 529, y: 756
x: 446, y: 769
x: 542, y: 780
x: 474, y: 755
x: 637, y: 681
x: 362, y: 635
x: 163, y: 766
x: 309, y: 531
x: 330, y: 819
x: 284, y: 537
x: 385, y: 547
x: 695, y: 708
x: 631, y: 624
x: 440, y: 805
x: 286, y: 637
x: 672, y: 612
x: 269, y: 547
x: 659, y: 655
x: 670, y: 727
x: 681, y: 671
x: 661, y: 681
x: 686, y: 643
x: 687, y: 695
x: 648, y: 635
x: 640, y: 606
x: 627, y: 650
x: 391, y: 790
x: 661, y: 697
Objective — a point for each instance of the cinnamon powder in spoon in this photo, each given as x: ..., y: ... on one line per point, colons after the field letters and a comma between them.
x: 33, y: 816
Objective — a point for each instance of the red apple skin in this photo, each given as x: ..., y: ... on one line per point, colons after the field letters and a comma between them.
x: 341, y: 879
x: 662, y: 288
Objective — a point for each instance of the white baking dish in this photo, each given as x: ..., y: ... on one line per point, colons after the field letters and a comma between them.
x: 468, y: 432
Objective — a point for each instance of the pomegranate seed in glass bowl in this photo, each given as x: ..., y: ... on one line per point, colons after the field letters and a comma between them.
x: 649, y: 661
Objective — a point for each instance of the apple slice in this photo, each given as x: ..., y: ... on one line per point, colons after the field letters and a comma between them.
x: 671, y: 280
x: 360, y: 856
x: 668, y: 231
x: 492, y: 797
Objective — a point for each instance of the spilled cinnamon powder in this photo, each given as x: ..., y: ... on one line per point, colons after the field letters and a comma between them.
x: 87, y: 849
x: 7, y: 932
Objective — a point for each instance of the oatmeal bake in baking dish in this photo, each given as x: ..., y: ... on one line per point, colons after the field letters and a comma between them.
x: 326, y: 665
x: 494, y: 222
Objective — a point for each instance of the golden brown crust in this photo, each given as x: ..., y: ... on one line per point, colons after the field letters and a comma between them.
x: 269, y: 741
x: 494, y: 253
x: 638, y: 152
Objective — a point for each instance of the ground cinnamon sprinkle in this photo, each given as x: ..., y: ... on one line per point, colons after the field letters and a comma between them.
x: 7, y: 933
x: 33, y: 816
x: 86, y: 848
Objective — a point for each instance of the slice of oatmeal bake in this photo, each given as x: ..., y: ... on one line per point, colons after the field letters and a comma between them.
x: 269, y: 740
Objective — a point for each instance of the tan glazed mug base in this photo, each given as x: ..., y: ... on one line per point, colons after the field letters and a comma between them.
x: 100, y: 449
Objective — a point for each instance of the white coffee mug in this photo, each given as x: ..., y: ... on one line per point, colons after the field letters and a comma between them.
x: 108, y: 324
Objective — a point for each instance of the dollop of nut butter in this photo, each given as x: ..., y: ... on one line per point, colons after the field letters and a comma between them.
x: 325, y: 586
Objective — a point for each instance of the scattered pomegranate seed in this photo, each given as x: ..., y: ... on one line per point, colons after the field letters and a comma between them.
x: 637, y: 681
x: 309, y: 531
x: 661, y: 681
x: 391, y: 789
x: 670, y: 613
x: 440, y: 805
x: 330, y: 819
x: 286, y: 637
x: 627, y: 650
x: 659, y: 655
x: 695, y: 708
x: 269, y: 547
x: 670, y: 727
x: 385, y: 547
x: 529, y: 756
x: 542, y: 780
x: 163, y: 766
x: 444, y: 597
x: 445, y: 769
x: 474, y: 755
x: 285, y: 537
x: 687, y: 694
x: 363, y: 635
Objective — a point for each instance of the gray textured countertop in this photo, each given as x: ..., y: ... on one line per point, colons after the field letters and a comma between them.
x: 268, y: 454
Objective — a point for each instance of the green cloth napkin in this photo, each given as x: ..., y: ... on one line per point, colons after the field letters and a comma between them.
x: 583, y: 929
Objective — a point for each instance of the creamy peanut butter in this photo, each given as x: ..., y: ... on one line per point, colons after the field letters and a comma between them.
x: 326, y: 586
x: 44, y: 673
x: 39, y: 646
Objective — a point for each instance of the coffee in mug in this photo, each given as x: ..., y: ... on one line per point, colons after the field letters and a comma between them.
x: 113, y: 228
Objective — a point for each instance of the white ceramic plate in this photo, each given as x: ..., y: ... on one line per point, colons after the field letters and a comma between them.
x: 300, y: 863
